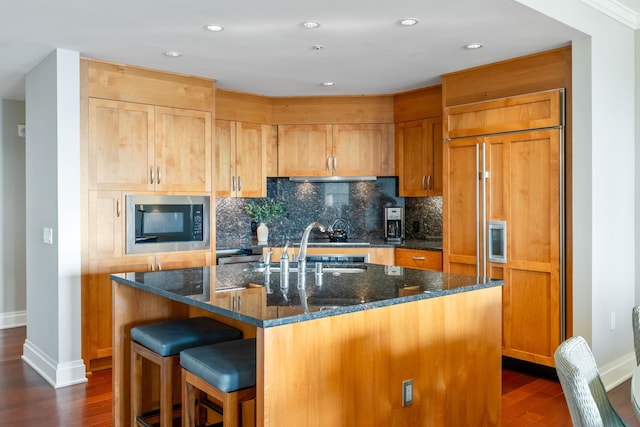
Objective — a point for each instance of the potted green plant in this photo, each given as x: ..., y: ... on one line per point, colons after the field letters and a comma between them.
x: 263, y: 212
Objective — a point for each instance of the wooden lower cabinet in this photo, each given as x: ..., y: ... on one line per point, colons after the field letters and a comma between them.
x: 251, y: 301
x: 96, y: 298
x: 420, y: 259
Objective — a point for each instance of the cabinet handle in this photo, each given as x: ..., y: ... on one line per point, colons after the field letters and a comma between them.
x: 233, y: 303
x: 417, y: 258
x: 335, y: 163
x: 233, y: 183
x: 429, y: 182
x: 152, y: 267
x: 329, y: 163
x: 423, y: 179
x: 118, y: 208
x: 159, y: 176
x: 159, y: 267
x: 239, y: 183
x: 239, y: 303
x: 151, y: 174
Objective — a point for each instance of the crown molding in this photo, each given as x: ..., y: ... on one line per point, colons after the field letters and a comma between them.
x: 617, y: 11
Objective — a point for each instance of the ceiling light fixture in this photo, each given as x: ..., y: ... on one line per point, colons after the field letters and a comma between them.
x: 408, y: 22
x: 214, y: 27
x: 172, y: 53
x: 472, y: 46
x: 310, y: 25
x: 328, y: 84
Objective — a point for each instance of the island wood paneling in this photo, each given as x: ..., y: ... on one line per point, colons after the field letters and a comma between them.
x: 348, y: 370
x: 418, y: 104
x: 136, y: 84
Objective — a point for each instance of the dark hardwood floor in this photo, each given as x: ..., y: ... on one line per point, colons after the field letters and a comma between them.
x: 528, y: 399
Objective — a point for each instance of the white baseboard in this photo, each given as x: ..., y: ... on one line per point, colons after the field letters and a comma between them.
x: 13, y: 319
x: 56, y: 374
x: 615, y: 373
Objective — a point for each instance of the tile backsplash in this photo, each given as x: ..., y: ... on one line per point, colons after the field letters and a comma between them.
x: 360, y: 203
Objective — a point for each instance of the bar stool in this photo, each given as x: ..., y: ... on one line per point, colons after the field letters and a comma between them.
x: 224, y: 371
x: 161, y: 344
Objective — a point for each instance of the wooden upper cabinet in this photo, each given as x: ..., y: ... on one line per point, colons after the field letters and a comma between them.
x: 140, y: 147
x: 335, y: 150
x: 182, y: 150
x: 363, y: 149
x: 304, y: 150
x: 241, y: 159
x: 419, y: 157
x: 121, y: 144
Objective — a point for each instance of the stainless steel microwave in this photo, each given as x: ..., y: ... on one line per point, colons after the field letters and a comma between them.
x: 158, y: 223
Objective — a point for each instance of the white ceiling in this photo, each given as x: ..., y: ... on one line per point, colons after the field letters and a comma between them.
x: 265, y: 50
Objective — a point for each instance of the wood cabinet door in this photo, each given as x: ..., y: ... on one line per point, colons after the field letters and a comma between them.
x: 183, y: 150
x: 106, y: 224
x: 171, y: 261
x: 251, y: 159
x: 460, y: 220
x: 531, y: 205
x: 225, y: 155
x: 420, y: 157
x: 304, y: 150
x: 362, y: 149
x: 96, y: 307
x: 121, y: 145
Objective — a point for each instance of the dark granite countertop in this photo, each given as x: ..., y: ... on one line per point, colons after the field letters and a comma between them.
x: 362, y: 287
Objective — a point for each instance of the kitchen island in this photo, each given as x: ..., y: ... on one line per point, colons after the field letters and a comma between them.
x: 335, y: 348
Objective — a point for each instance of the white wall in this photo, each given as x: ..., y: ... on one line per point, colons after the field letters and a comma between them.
x: 12, y: 219
x: 53, y: 344
x: 604, y: 139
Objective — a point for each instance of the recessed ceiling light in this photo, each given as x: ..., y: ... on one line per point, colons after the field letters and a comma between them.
x: 327, y: 84
x: 214, y: 27
x: 310, y: 25
x: 408, y: 22
x: 472, y: 46
x: 172, y: 53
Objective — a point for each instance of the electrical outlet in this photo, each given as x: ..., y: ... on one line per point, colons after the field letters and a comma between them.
x: 416, y: 226
x: 22, y: 131
x: 407, y: 393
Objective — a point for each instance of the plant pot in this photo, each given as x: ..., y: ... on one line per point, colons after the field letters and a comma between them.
x: 263, y: 233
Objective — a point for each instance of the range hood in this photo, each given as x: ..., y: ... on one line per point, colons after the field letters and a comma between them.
x: 332, y: 178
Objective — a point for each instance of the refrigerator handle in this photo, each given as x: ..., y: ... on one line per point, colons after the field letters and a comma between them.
x: 478, y: 175
x: 484, y: 211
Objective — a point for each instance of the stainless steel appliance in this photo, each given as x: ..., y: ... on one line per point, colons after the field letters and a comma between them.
x: 394, y: 224
x: 159, y: 223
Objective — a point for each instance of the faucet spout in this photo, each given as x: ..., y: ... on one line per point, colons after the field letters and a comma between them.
x: 302, y: 254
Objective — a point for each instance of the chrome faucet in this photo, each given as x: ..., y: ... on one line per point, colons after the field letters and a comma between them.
x: 302, y: 253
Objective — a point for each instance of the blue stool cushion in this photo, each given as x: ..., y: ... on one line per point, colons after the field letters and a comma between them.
x: 170, y: 337
x: 228, y: 366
